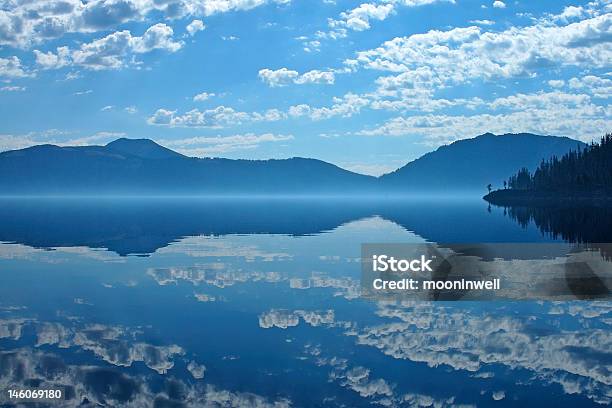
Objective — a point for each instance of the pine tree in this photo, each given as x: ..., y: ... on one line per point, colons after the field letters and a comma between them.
x: 588, y: 169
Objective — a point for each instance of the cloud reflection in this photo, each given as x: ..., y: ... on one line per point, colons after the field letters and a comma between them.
x: 442, y: 336
x: 88, y: 386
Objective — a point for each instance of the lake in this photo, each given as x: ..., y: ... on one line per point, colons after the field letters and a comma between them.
x: 256, y: 302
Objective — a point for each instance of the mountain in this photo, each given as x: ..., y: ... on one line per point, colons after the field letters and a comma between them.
x: 471, y: 164
x: 136, y: 167
x: 141, y: 166
x: 143, y: 148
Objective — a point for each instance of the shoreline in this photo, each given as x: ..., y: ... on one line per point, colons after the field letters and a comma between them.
x: 509, y: 197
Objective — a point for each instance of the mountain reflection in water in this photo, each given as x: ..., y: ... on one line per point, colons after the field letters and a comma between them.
x: 141, y: 226
x: 258, y: 304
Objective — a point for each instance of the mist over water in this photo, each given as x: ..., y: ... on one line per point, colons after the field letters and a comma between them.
x: 246, y: 302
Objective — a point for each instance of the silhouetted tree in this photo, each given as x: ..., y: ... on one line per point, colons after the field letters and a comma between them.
x: 588, y: 169
x: 489, y: 187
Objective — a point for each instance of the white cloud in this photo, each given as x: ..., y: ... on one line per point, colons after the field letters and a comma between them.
x: 203, y: 96
x: 248, y: 138
x: 360, y: 17
x: 596, y: 86
x: 51, y: 60
x: 299, y: 110
x: 27, y: 23
x: 541, y: 100
x: 157, y: 37
x: 284, y: 76
x: 347, y: 106
x: 570, y: 13
x: 13, y: 88
x: 312, y: 46
x: 499, y: 4
x: 56, y: 137
x: 70, y: 76
x: 556, y: 83
x: 270, y: 115
x: 195, y: 26
x: 96, y: 138
x: 130, y: 109
x: 14, y: 142
x: 11, y: 68
x: 316, y: 77
x: 214, y: 118
x: 206, y: 146
x: 418, y: 66
x: 279, y: 77
x: 203, y: 146
x: 112, y: 51
x: 162, y: 117
x: 553, y: 113
x: 423, y: 64
x: 483, y: 22
x: 461, y: 54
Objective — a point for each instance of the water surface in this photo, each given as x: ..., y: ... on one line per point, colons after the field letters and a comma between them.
x: 191, y: 302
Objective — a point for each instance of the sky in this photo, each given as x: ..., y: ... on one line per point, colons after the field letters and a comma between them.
x: 367, y: 85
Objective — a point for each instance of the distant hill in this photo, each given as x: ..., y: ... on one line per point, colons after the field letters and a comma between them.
x: 140, y: 166
x: 471, y: 164
x: 142, y: 148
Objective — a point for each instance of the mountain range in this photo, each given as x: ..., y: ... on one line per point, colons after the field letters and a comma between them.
x: 141, y: 166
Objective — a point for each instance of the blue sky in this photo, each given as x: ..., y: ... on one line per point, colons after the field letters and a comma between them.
x: 368, y: 85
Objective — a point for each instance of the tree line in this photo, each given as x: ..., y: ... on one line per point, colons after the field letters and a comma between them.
x: 584, y: 169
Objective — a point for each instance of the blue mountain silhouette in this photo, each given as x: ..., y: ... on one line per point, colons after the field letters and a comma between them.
x: 135, y: 167
x: 143, y: 148
x: 141, y: 166
x: 471, y: 164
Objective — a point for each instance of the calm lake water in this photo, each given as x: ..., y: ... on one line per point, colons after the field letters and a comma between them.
x: 194, y: 302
